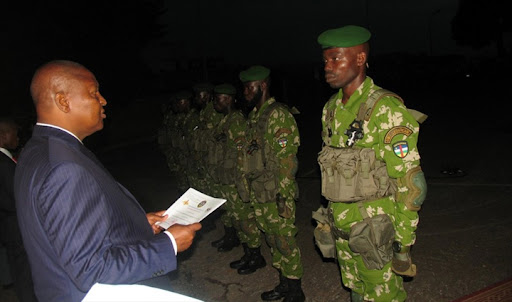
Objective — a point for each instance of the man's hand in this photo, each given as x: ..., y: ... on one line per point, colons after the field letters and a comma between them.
x: 184, y: 234
x: 153, y: 218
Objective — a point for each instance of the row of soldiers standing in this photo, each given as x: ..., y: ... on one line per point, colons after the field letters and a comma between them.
x: 370, y: 170
x: 251, y: 162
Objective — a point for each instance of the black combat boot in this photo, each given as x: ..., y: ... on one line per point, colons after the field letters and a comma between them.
x: 255, y: 262
x: 278, y: 292
x: 242, y: 261
x: 230, y: 240
x: 295, y: 293
x: 220, y: 241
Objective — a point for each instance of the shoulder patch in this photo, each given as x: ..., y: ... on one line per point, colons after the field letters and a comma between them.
x: 239, y: 142
x: 283, y: 142
x: 396, y: 131
x: 401, y: 149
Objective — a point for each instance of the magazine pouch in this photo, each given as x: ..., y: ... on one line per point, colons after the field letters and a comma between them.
x: 372, y: 239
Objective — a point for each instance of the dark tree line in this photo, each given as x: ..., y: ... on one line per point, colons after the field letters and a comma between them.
x: 105, y: 36
x: 480, y: 23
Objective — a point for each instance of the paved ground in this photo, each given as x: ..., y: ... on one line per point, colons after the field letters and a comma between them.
x: 464, y: 236
x: 463, y: 240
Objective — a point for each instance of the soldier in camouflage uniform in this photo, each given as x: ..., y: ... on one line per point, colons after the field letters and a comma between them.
x: 370, y: 171
x: 208, y: 120
x: 269, y: 181
x: 178, y: 132
x: 190, y: 135
x: 228, y: 142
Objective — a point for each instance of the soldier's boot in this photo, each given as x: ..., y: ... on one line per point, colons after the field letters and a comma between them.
x: 278, y: 292
x: 242, y: 261
x: 295, y: 293
x: 230, y: 240
x: 255, y: 262
x: 220, y: 241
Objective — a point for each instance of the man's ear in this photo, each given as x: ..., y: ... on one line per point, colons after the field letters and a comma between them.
x: 62, y: 102
x: 263, y: 85
x: 361, y: 58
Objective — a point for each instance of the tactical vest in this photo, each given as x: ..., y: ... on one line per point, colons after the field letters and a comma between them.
x: 177, y: 134
x: 351, y: 174
x: 259, y: 163
x: 222, y: 160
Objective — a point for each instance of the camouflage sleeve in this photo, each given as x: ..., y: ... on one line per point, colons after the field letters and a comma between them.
x: 283, y: 138
x: 236, y: 132
x: 282, y: 133
x: 398, y: 138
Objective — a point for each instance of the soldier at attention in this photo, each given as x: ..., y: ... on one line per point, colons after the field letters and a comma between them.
x: 371, y: 171
x: 269, y: 184
x: 226, y: 145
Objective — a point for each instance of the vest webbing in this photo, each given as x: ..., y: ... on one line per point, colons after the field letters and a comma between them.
x: 366, y: 108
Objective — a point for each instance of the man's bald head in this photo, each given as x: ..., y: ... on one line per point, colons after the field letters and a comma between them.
x: 50, y: 79
x: 66, y: 94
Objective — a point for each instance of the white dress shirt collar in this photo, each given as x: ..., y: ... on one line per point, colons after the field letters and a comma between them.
x: 57, y: 127
x: 6, y: 152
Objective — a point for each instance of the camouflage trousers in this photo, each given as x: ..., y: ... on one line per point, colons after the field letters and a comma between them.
x: 240, y: 215
x: 280, y: 236
x: 372, y: 285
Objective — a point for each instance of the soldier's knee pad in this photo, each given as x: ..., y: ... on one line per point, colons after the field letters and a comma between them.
x: 283, y: 245
x: 245, y: 226
x: 416, y: 184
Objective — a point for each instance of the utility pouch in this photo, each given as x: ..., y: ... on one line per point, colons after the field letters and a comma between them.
x: 353, y: 174
x: 324, y: 239
x: 264, y: 184
x: 242, y: 186
x: 226, y: 171
x: 372, y: 238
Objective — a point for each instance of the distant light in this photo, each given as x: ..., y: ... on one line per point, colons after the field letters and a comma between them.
x: 468, y: 75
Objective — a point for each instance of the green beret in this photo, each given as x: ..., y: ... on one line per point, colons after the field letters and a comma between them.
x: 254, y: 73
x: 184, y: 94
x: 225, y: 89
x: 203, y: 87
x: 346, y: 36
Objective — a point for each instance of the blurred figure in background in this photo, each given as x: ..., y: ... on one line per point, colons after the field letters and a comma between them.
x: 10, y: 235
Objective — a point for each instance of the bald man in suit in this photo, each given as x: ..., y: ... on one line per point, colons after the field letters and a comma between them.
x: 79, y: 225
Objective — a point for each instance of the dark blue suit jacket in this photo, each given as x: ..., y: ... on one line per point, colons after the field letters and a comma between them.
x: 79, y: 225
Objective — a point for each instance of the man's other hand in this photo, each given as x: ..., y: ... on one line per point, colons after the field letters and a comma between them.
x: 153, y: 218
x: 184, y: 234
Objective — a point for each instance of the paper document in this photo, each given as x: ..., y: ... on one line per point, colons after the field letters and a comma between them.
x: 193, y: 206
x: 132, y: 292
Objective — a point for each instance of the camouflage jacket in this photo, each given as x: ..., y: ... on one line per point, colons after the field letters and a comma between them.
x: 282, y: 138
x: 392, y: 132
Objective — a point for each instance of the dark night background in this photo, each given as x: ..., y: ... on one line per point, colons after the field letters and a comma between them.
x: 447, y: 58
x: 140, y: 51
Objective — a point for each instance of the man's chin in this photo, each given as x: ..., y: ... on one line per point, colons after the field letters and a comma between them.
x: 333, y: 85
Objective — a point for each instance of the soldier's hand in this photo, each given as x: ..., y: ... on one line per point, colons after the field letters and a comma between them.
x: 184, y: 234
